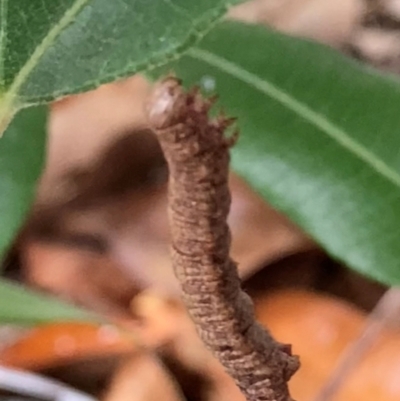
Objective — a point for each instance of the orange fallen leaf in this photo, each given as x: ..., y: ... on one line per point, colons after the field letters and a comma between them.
x: 320, y: 328
x: 55, y: 344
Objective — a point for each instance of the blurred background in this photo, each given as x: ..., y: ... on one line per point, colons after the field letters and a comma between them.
x: 98, y: 236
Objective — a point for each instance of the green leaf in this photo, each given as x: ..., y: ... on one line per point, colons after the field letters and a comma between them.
x: 22, y: 152
x: 19, y: 305
x: 319, y: 137
x: 50, y: 48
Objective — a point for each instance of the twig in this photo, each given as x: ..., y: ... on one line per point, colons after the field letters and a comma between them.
x: 197, y: 153
x: 386, y: 311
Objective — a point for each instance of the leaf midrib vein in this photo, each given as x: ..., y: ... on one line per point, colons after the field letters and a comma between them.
x: 299, y: 108
x: 40, y: 50
x: 3, y: 37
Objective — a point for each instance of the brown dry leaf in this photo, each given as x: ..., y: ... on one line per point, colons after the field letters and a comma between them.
x: 320, y: 328
x: 143, y: 378
x: 391, y: 7
x: 82, y: 126
x: 82, y: 276
x: 328, y: 21
x: 260, y: 235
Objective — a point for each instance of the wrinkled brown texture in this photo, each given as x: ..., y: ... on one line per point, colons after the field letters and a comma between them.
x: 197, y: 152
